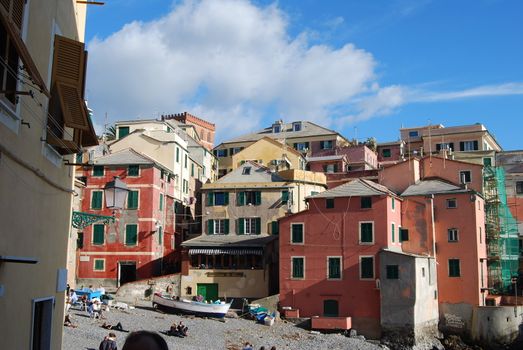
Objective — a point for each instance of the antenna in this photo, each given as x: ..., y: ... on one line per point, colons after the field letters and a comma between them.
x: 430, y: 145
x: 104, y: 135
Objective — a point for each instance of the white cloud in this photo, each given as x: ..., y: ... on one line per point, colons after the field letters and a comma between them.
x: 228, y: 61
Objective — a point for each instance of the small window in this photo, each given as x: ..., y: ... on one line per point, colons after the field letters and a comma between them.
x: 519, y: 187
x: 453, y: 235
x: 177, y: 155
x: 366, y: 202
x: 185, y: 161
x: 296, y: 126
x: 326, y: 144
x: 414, y: 133
x: 452, y: 203
x: 366, y: 267
x: 218, y: 227
x: 131, y: 234
x: 393, y: 232
x: 192, y: 169
x: 98, y: 170
x: 99, y: 264
x: 468, y: 146
x: 386, y: 153
x: 392, y: 272
x: 161, y: 202
x: 219, y: 198
x: 297, y: 233
x: 246, y: 170
x: 404, y: 234
x: 98, y: 234
x: 487, y: 161
x: 366, y: 232
x: 276, y: 129
x: 298, y: 267
x: 334, y: 268
x: 132, y: 200
x: 252, y: 226
x: 123, y: 131
x: 96, y: 199
x: 454, y: 268
x: 133, y: 170
x: 329, y: 203
x: 464, y: 176
x: 221, y: 153
x: 393, y: 203
x: 330, y: 308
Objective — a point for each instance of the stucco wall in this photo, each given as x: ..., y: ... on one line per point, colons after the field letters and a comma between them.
x: 496, y: 325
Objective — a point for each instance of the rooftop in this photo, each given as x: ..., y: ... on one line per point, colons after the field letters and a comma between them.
x: 426, y: 187
x: 355, y: 188
x: 127, y: 156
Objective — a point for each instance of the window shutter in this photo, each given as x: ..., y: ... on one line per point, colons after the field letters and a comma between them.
x: 68, y: 62
x: 257, y: 200
x: 275, y: 229
x: 451, y: 146
x: 322, y: 144
x: 210, y: 227
x: 210, y: 199
x: 226, y: 226
x: 15, y: 9
x: 131, y: 234
x: 284, y: 196
x: 240, y: 226
x: 258, y: 225
x: 96, y: 200
x: 72, y: 106
x: 393, y: 232
x: 225, y: 152
x: 336, y: 167
x: 476, y: 145
x: 462, y: 146
x: 240, y: 198
x: 98, y: 234
x: 225, y: 198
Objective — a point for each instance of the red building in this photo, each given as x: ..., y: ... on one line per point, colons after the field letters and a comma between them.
x: 204, y: 129
x: 142, y: 242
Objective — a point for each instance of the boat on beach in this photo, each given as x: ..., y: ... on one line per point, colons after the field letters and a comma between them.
x: 216, y: 310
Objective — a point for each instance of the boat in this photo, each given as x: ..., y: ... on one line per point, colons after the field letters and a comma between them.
x: 216, y: 310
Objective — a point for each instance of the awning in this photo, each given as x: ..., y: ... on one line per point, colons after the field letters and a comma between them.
x: 230, y: 251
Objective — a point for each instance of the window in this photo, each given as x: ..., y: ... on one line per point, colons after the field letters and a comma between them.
x: 393, y: 232
x: 366, y: 232
x: 454, y: 268
x: 131, y: 234
x: 8, y: 72
x: 326, y: 144
x: 248, y: 198
x: 275, y: 228
x: 519, y: 187
x: 132, y: 200
x: 452, y: 203
x: 284, y: 197
x: 133, y: 170
x: 123, y: 131
x: 297, y: 233
x: 298, y: 267
x: 252, y: 226
x: 185, y: 186
x: 96, y: 199
x: 177, y: 155
x: 393, y: 204
x: 366, y: 202
x: 453, y: 234
x: 185, y: 161
x: 99, y: 265
x: 220, y: 153
x: 301, y: 146
x: 98, y: 234
x: 480, y: 234
x: 386, y: 153
x: 296, y: 126
x: 98, y: 170
x: 330, y: 308
x: 366, y: 267
x: 464, y: 176
x: 246, y: 170
x: 330, y: 168
x: 334, y: 268
x: 414, y: 133
x: 276, y: 129
x: 218, y: 227
x: 79, y: 157
x: 160, y: 235
x: 80, y: 240
x: 468, y: 146
x: 161, y: 202
x: 329, y: 203
x: 445, y: 146
x: 192, y: 169
x: 487, y: 161
x: 392, y: 272
x: 217, y: 198
x: 404, y: 234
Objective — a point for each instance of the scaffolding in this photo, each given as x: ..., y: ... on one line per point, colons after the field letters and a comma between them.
x: 501, y: 232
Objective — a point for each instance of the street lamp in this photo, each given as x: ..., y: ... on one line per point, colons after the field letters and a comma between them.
x: 115, y: 193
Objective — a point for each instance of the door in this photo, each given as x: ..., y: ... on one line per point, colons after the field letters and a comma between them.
x: 42, y: 321
x: 209, y: 291
x: 330, y: 308
x: 127, y: 272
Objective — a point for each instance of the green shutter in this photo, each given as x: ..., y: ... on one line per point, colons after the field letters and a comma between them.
x: 160, y: 238
x: 210, y: 227
x: 393, y: 203
x: 177, y: 155
x: 226, y: 226
x: 258, y: 225
x: 131, y: 234
x: 99, y: 264
x: 297, y: 233
x: 210, y: 199
x: 123, y: 131
x: 393, y: 232
x: 297, y: 267
x: 98, y: 234
x: 185, y: 161
x: 295, y: 145
x: 98, y: 170
x: 133, y: 170
x: 79, y: 157
x: 240, y: 198
x: 226, y: 198
x: 257, y: 200
x: 285, y: 196
x: 307, y: 145
x: 96, y: 200
x: 275, y: 229
x: 132, y: 200
x: 161, y: 201
x: 241, y: 226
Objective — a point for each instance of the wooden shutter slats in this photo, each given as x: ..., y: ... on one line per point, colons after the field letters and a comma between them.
x: 68, y: 62
x: 73, y: 109
x: 17, y: 12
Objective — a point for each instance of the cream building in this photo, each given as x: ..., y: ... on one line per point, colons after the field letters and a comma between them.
x: 43, y: 121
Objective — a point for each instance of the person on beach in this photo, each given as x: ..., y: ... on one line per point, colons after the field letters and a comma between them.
x: 117, y: 327
x: 109, y: 342
x: 145, y: 340
x: 68, y: 322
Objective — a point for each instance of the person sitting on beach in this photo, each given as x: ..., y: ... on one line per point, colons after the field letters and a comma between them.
x: 68, y: 322
x: 109, y: 342
x: 117, y: 327
x: 182, y: 329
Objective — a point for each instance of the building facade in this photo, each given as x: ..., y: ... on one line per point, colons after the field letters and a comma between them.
x: 43, y: 121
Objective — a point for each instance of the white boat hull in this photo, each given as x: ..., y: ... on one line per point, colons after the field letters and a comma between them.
x: 191, y: 307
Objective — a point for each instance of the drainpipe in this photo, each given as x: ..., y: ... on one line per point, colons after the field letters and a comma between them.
x: 431, y: 198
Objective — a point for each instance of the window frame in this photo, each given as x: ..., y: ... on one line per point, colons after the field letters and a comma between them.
x: 252, y: 221
x: 133, y: 165
x: 520, y: 185
x: 102, y: 202
x: 218, y: 223
x: 340, y: 267
x: 94, y: 265
x: 137, y: 200
x: 93, y: 174
x: 450, y: 200
x: 414, y: 133
x: 302, y: 233
x: 465, y: 172
x: 92, y: 235
x: 459, y: 267
x: 329, y: 200
x: 386, y: 153
x: 360, y: 242
x: 303, y: 265
x: 360, y: 258
x: 454, y: 234
x: 365, y: 200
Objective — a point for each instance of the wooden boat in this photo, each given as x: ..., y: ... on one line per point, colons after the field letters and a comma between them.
x: 190, y: 307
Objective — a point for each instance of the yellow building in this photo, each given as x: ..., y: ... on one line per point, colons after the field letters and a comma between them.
x: 43, y: 121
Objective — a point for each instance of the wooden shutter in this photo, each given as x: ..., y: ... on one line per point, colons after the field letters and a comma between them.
x: 98, y: 234
x: 226, y: 226
x: 275, y: 228
x: 258, y: 225
x: 210, y: 227
x: 438, y: 147
x: 68, y: 62
x: 240, y: 226
x: 462, y: 146
x: 284, y: 196
x: 73, y: 106
x: 240, y: 198
x: 451, y: 146
x: 476, y: 145
x: 225, y: 198
x: 307, y: 145
x: 257, y: 197
x: 131, y: 234
x: 210, y: 199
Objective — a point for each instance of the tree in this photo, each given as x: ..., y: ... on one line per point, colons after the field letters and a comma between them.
x: 110, y: 133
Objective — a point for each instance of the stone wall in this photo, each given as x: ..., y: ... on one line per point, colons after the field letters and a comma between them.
x: 142, y: 290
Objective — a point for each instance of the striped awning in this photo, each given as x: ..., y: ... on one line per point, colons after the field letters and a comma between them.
x: 228, y: 251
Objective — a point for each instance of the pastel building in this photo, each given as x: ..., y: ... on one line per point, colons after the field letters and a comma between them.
x: 236, y: 254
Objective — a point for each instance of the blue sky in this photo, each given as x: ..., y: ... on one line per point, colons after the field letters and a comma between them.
x: 362, y: 67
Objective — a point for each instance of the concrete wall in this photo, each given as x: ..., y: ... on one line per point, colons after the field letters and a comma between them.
x: 400, y: 176
x: 449, y: 170
x: 142, y: 290
x: 497, y: 325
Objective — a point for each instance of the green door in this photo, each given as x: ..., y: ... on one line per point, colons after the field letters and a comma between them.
x: 330, y: 308
x: 209, y: 291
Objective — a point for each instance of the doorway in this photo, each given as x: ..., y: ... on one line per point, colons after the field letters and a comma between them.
x: 209, y: 291
x: 42, y: 321
x: 126, y: 272
x: 330, y: 308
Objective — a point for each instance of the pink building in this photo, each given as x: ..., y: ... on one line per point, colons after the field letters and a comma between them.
x: 142, y: 242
